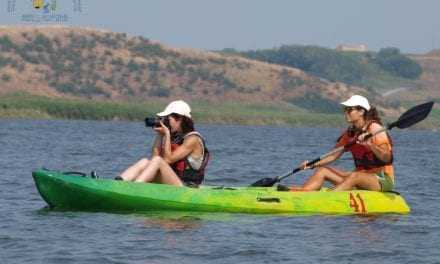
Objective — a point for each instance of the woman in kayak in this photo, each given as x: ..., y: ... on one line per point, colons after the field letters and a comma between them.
x: 179, y: 154
x: 373, y: 156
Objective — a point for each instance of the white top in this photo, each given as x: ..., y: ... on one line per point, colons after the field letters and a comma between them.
x: 196, y: 162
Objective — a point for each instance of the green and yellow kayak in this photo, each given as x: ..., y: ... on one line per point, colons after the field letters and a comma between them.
x: 72, y: 192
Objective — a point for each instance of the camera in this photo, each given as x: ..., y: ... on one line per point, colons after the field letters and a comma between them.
x: 155, y: 122
x: 152, y: 122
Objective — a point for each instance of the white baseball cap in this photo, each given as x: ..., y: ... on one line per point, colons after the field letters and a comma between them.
x: 357, y: 100
x: 176, y: 107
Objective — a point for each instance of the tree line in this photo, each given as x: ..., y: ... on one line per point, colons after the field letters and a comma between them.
x: 333, y: 65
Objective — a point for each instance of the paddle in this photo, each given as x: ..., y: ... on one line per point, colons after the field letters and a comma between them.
x: 407, y: 119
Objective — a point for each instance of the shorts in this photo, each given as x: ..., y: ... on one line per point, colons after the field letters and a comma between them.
x: 385, y: 181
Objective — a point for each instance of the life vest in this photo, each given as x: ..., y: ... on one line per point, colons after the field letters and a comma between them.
x: 183, y: 168
x: 364, y: 158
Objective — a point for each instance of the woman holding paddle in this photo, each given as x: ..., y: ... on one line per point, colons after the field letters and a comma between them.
x: 372, y: 151
x: 363, y: 118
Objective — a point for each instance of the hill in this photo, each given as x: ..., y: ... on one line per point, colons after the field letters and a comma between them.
x: 64, y: 62
x: 429, y: 84
x: 379, y: 70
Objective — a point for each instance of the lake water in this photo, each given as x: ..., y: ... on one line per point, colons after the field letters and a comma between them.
x: 29, y: 233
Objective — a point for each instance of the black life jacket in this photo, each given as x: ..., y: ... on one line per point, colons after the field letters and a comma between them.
x: 183, y: 169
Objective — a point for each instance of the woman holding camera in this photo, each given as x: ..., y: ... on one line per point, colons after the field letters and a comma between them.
x: 179, y: 154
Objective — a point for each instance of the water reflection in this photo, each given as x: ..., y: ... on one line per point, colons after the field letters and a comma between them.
x: 183, y: 223
x: 369, y: 228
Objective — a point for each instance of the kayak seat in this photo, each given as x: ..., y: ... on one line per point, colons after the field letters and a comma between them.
x: 282, y: 188
x: 77, y: 173
x: 223, y: 188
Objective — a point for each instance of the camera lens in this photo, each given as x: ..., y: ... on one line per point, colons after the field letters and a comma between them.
x: 151, y: 121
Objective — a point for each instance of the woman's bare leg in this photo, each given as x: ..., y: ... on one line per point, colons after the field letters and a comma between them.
x: 360, y: 180
x: 159, y: 171
x: 322, y: 174
x: 132, y: 172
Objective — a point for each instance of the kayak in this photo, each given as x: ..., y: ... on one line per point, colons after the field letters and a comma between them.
x: 67, y: 191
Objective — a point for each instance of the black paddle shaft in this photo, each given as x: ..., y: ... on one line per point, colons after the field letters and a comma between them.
x: 407, y: 119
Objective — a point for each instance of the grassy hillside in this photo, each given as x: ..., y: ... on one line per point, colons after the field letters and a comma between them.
x: 430, y: 79
x: 63, y: 72
x: 68, y: 62
x: 378, y: 71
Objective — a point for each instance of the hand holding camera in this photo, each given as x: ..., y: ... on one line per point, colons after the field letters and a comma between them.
x: 158, y: 124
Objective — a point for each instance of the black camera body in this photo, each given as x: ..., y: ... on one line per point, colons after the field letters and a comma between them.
x: 152, y: 122
x: 155, y: 122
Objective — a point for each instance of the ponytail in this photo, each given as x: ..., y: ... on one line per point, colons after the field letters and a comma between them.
x: 372, y: 115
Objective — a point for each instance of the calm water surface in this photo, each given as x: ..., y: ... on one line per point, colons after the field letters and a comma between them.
x: 31, y: 234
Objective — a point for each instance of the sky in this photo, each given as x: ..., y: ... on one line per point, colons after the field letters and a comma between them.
x: 412, y: 26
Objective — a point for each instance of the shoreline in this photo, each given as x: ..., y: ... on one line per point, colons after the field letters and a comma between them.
x: 24, y: 106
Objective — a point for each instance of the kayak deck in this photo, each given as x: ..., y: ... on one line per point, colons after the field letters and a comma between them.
x: 70, y: 192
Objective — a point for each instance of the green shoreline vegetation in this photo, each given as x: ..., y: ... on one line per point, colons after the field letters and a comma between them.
x: 22, y: 105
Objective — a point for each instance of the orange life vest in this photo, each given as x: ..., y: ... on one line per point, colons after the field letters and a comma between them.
x: 364, y: 158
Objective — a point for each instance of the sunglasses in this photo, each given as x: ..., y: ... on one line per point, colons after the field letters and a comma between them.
x: 348, y: 109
